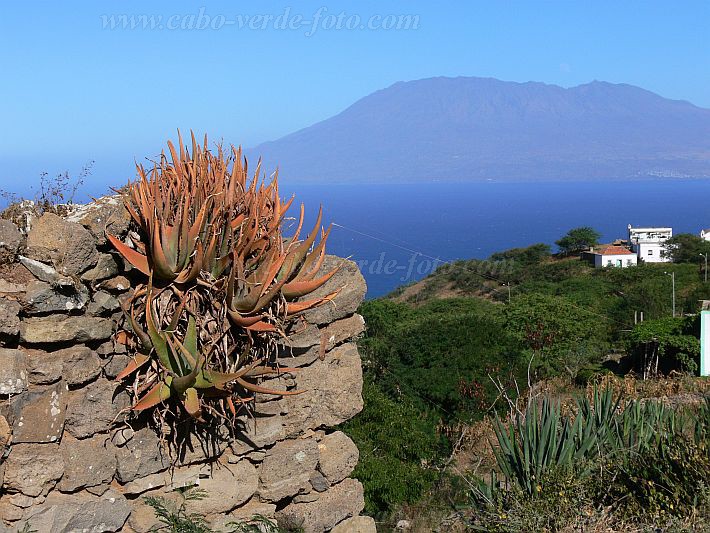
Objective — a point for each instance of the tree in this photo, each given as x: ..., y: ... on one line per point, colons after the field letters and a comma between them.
x: 578, y: 239
x: 530, y: 255
x: 665, y: 344
x: 560, y: 336
x: 686, y: 248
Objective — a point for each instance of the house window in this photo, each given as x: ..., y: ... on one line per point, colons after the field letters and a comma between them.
x: 619, y: 263
x: 650, y: 252
x: 628, y: 262
x: 609, y: 263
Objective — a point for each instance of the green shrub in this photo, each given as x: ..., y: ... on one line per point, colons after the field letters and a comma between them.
x: 562, y: 336
x: 399, y: 448
x: 438, y: 357
x: 665, y: 344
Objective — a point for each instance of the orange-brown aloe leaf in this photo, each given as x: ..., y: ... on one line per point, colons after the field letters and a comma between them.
x: 243, y: 321
x: 183, y: 246
x: 238, y: 221
x: 160, y: 262
x: 136, y: 259
x: 197, y: 227
x: 266, y: 370
x: 262, y: 326
x: 296, y: 289
x: 192, y: 403
x: 154, y: 396
x: 143, y: 337
x: 297, y: 307
x: 213, y: 379
x: 122, y: 337
x: 134, y: 364
x: 187, y: 276
x: 314, y: 260
x: 263, y: 390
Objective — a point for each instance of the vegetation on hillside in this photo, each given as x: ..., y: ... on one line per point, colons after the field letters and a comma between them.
x: 527, y: 325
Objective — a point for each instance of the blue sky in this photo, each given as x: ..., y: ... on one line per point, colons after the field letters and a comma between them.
x: 73, y: 91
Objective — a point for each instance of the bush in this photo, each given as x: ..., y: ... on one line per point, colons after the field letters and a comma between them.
x: 562, y: 336
x: 439, y: 356
x: 399, y: 448
x: 665, y: 345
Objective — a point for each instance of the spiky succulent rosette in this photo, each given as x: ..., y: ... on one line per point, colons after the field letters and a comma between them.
x: 221, y: 281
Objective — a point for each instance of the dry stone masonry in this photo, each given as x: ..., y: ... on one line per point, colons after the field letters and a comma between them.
x: 70, y: 457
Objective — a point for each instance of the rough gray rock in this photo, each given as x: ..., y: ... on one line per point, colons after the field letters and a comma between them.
x: 298, y: 357
x: 57, y: 328
x: 352, y: 288
x: 41, y: 297
x: 338, y: 456
x: 10, y: 239
x: 310, y: 342
x: 252, y: 508
x: 287, y: 469
x: 9, y: 288
x: 13, y: 371
x: 265, y: 430
x: 106, y: 214
x: 342, y: 501
x: 333, y: 392
x: 87, y: 463
x: 142, y: 518
x: 71, y: 247
x: 318, y: 482
x: 87, y: 514
x: 343, y: 330
x: 102, y: 303
x: 33, y: 469
x: 117, y: 284
x: 93, y: 408
x: 39, y: 415
x: 114, y: 364
x: 140, y: 456
x: 42, y: 368
x: 77, y: 364
x: 227, y: 487
x: 5, y: 434
x: 46, y: 273
x: 356, y: 524
x: 9, y: 319
x: 106, y: 267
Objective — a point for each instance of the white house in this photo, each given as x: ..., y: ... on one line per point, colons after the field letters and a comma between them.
x: 705, y: 234
x: 614, y: 256
x: 650, y: 243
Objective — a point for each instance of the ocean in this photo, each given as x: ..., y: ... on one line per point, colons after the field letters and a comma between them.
x: 397, y: 233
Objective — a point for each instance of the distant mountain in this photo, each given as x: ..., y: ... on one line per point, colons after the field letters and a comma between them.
x: 482, y: 128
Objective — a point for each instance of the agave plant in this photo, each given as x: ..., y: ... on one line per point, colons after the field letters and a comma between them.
x: 540, y: 441
x: 543, y: 439
x: 221, y: 280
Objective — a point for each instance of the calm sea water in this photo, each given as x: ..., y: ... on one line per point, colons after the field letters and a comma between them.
x: 396, y: 231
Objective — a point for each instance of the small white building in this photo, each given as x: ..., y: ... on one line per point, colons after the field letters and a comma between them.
x: 705, y: 234
x: 614, y: 256
x: 649, y: 244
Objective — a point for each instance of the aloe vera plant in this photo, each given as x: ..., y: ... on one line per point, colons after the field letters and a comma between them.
x: 221, y: 281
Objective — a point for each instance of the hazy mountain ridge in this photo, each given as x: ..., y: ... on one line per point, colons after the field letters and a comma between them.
x: 482, y: 128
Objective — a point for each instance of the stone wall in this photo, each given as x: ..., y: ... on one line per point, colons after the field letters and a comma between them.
x: 72, y: 459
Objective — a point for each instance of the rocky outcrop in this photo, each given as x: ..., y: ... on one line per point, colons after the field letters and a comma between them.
x: 72, y: 460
